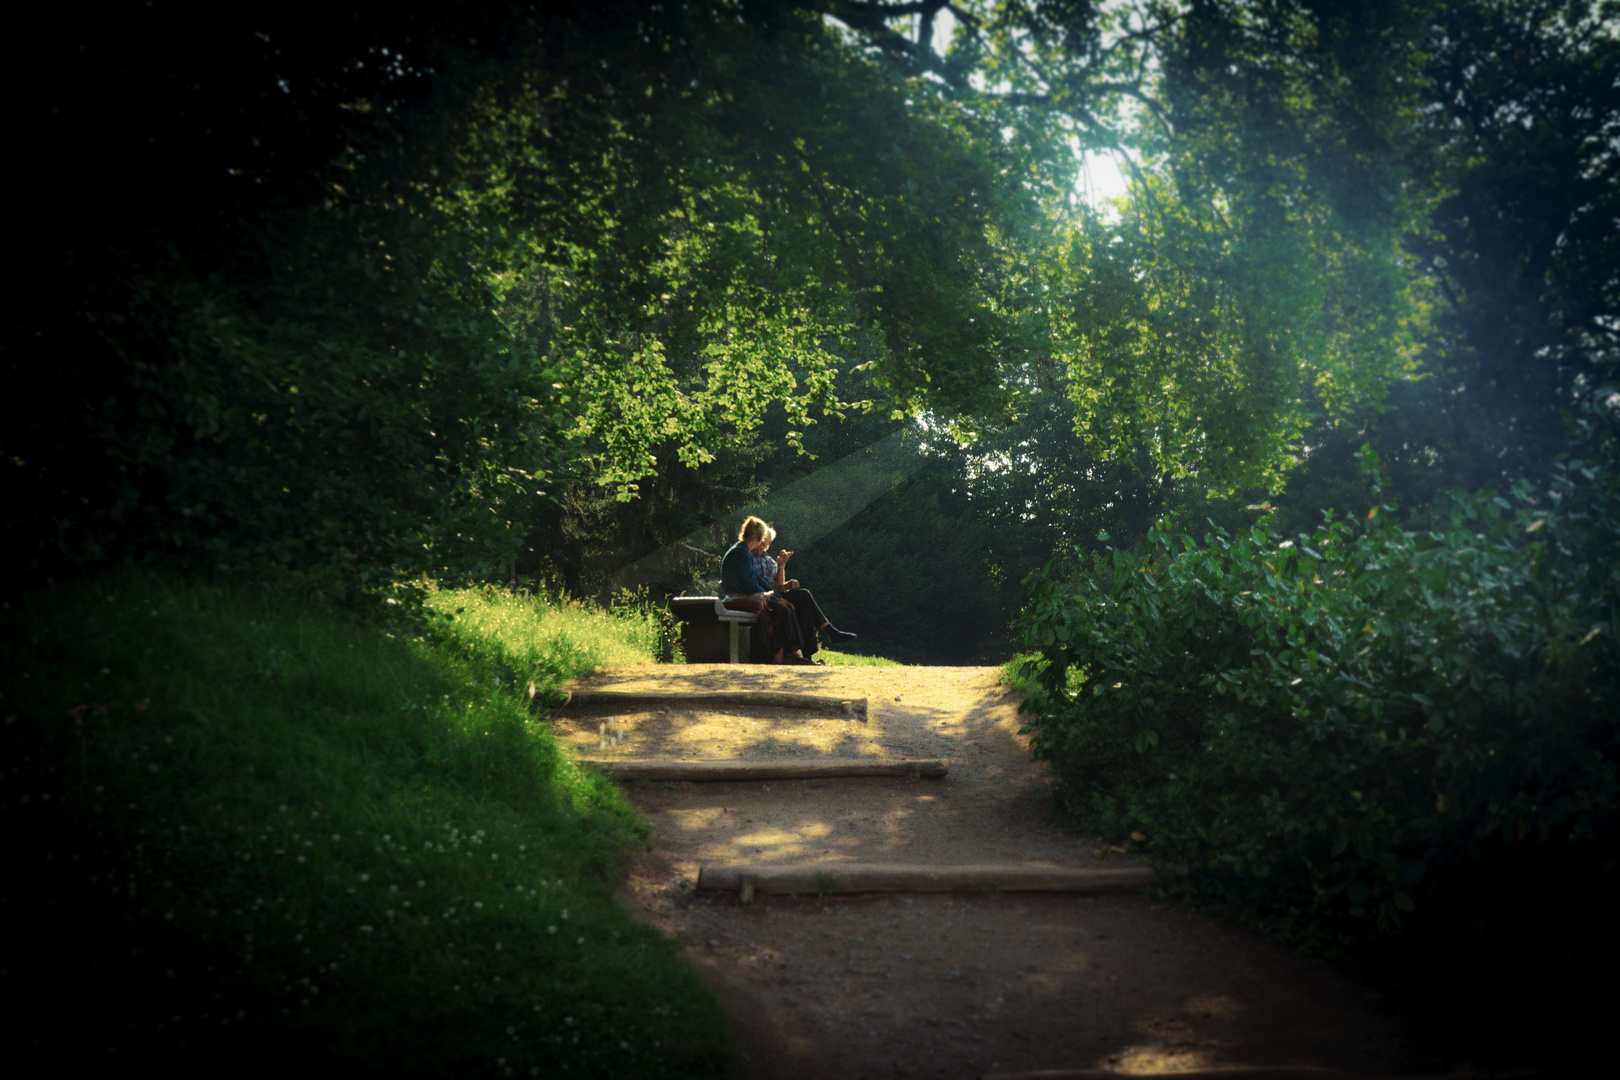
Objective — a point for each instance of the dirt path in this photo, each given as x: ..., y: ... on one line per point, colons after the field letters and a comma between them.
x: 942, y: 985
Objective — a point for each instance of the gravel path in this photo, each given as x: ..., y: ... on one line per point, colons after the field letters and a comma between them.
x: 941, y: 985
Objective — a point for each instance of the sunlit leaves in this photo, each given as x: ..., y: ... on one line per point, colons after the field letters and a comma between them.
x: 1252, y: 280
x: 707, y: 211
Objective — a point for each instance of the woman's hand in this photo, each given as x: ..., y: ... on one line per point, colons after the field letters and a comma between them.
x: 781, y: 560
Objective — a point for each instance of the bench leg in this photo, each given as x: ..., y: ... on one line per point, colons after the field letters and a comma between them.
x: 734, y: 632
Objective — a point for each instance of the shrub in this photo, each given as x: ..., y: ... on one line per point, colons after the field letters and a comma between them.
x: 254, y: 835
x: 1323, y: 734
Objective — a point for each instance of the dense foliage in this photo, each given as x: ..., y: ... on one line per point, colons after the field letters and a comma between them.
x: 445, y: 263
x: 1331, y: 169
x: 1515, y: 257
x: 609, y: 235
x: 537, y: 291
x: 172, y: 240
x: 1318, y: 731
x: 248, y: 832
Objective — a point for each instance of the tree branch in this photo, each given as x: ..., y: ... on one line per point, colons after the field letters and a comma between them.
x: 1139, y: 35
x: 872, y: 17
x: 889, y: 11
x: 1134, y: 91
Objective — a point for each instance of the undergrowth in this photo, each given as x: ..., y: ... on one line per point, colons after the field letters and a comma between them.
x: 254, y: 835
x: 1395, y: 748
x: 1326, y: 733
x: 843, y: 659
x: 546, y: 641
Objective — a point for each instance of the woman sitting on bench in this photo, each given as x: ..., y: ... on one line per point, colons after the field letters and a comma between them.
x: 742, y: 590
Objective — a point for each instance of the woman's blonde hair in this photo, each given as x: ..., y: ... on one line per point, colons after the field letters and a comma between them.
x: 752, y: 529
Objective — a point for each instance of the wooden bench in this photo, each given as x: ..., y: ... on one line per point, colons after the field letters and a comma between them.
x: 701, y: 618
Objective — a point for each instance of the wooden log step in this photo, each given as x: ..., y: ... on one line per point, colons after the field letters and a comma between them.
x: 912, y: 877
x: 808, y: 769
x: 759, y: 699
x: 1273, y: 1072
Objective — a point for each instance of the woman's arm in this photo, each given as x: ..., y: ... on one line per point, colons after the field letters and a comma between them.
x: 754, y: 576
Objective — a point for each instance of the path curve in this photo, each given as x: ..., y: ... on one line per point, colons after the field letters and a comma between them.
x: 952, y: 985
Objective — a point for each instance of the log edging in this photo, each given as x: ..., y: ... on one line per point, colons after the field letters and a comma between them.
x: 911, y: 877
x: 1272, y: 1072
x: 813, y: 769
x: 769, y: 699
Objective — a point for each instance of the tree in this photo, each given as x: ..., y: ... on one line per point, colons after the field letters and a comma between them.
x: 601, y: 233
x: 1516, y: 258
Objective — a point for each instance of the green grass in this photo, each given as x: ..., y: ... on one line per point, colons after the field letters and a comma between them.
x: 1022, y: 671
x: 542, y: 640
x: 841, y: 659
x: 262, y: 835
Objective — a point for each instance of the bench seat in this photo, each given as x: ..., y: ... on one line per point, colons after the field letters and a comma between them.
x: 697, y: 611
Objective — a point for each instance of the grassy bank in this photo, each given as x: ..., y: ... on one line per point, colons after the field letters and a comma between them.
x: 541, y: 640
x: 253, y: 835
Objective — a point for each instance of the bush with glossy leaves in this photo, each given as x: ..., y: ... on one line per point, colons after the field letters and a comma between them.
x: 1325, y: 734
